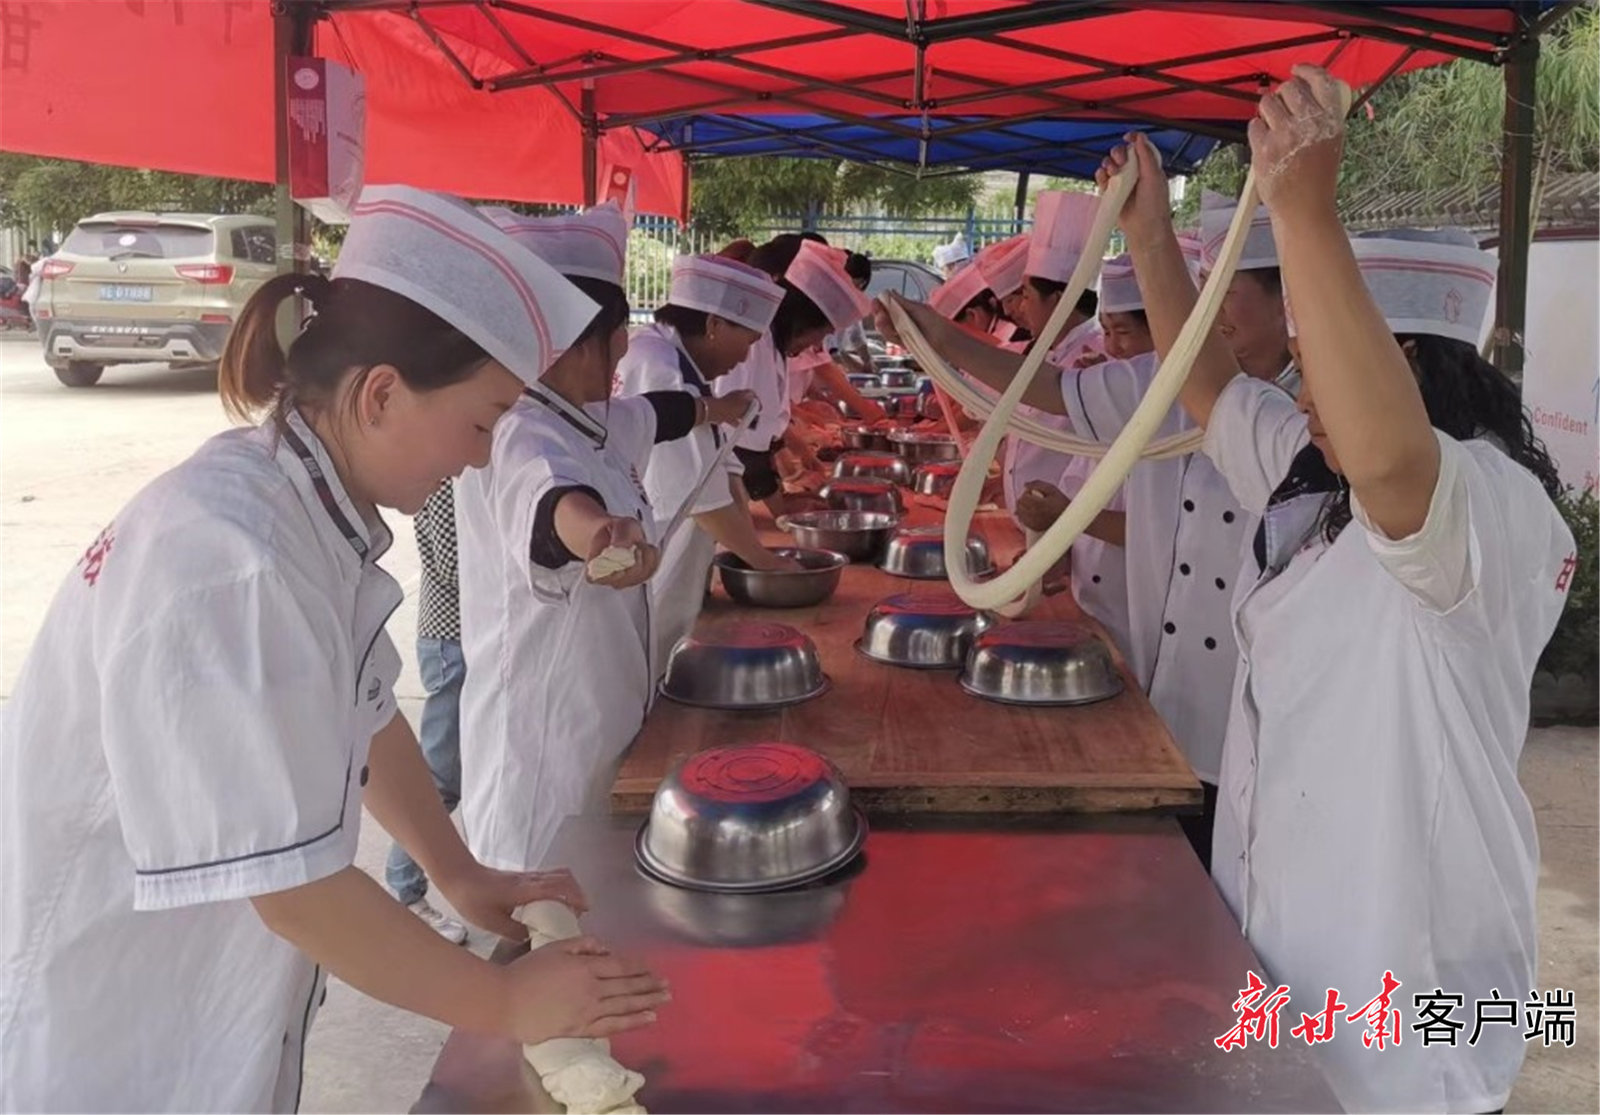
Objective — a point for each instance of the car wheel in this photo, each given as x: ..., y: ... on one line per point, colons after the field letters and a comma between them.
x: 80, y: 373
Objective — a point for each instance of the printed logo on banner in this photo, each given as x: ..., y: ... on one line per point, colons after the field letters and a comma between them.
x: 1551, y: 1018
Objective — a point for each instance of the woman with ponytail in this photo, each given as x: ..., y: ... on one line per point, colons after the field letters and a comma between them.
x: 209, y: 708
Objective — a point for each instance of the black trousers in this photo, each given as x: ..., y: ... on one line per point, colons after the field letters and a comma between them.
x: 1198, y: 827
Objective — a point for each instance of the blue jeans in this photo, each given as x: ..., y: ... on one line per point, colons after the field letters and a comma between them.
x: 443, y: 669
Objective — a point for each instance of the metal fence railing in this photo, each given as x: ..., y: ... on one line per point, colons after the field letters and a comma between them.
x: 656, y: 241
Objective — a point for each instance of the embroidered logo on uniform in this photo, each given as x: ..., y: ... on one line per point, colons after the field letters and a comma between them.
x: 1569, y: 566
x: 1452, y: 305
x: 94, y: 558
x: 638, y: 484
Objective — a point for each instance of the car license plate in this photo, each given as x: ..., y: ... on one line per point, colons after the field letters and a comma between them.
x: 124, y: 292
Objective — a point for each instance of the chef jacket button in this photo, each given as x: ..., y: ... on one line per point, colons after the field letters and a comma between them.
x: 1211, y: 644
x: 1221, y: 583
x: 1184, y: 569
x: 1095, y: 578
x: 1169, y: 627
x: 1188, y: 505
x: 1227, y: 516
x: 365, y: 771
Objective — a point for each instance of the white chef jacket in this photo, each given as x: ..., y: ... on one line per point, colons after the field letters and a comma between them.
x: 1369, y: 817
x: 189, y: 730
x: 558, y: 669
x: 656, y: 362
x: 766, y: 372
x: 1099, y: 573
x: 1186, y: 540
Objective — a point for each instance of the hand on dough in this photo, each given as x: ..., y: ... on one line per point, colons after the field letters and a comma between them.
x: 579, y: 1073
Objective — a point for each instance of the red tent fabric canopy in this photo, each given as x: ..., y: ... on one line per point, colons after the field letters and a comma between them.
x: 484, y: 96
x: 186, y: 85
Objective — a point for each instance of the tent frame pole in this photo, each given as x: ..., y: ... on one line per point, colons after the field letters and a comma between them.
x: 1516, y: 194
x: 291, y: 36
x: 591, y: 145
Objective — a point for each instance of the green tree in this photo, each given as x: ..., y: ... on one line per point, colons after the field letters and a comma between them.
x: 730, y: 196
x: 56, y: 193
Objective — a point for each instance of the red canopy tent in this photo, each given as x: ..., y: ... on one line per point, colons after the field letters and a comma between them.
x: 527, y: 99
x: 186, y: 85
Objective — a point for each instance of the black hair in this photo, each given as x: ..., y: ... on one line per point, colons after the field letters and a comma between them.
x: 1269, y: 278
x: 687, y: 322
x: 1466, y: 397
x: 814, y: 236
x: 1138, y: 315
x: 796, y: 314
x: 984, y: 300
x: 613, y: 312
x: 859, y: 268
x: 356, y: 326
x: 1088, y: 302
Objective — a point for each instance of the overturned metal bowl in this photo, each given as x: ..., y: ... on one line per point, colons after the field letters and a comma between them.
x: 922, y: 630
x: 863, y: 493
x: 864, y: 438
x: 918, y: 553
x: 813, y: 583
x: 1041, y: 662
x: 936, y: 479
x: 874, y: 465
x: 760, y: 817
x: 859, y: 535
x: 921, y: 447
x: 744, y: 665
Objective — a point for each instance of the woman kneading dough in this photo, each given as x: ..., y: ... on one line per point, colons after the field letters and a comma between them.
x: 1408, y: 574
x: 556, y: 542
x: 716, y: 310
x: 209, y: 708
x: 819, y: 297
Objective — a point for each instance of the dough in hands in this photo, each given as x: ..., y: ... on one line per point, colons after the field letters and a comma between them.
x: 611, y: 560
x: 579, y: 1073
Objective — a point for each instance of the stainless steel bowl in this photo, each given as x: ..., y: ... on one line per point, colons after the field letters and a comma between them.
x: 859, y: 380
x: 782, y: 588
x: 1041, y: 662
x: 880, y: 466
x: 903, y: 403
x: 922, y: 630
x: 864, y: 437
x: 744, y: 665
x: 760, y: 817
x: 920, y: 448
x: 863, y: 493
x: 918, y: 553
x: 897, y: 377
x: 859, y: 535
x: 936, y: 479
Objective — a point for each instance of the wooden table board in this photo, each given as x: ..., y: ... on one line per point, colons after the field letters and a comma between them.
x: 911, y: 741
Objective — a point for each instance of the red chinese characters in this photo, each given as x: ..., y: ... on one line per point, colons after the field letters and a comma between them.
x: 1258, y: 1015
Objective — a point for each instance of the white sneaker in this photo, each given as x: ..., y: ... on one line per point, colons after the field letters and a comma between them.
x: 441, y: 923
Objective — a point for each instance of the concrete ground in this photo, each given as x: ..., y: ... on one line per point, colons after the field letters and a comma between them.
x: 69, y: 459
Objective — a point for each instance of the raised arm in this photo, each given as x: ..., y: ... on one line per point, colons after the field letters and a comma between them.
x: 1357, y: 379
x: 1169, y: 292
x: 982, y: 359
